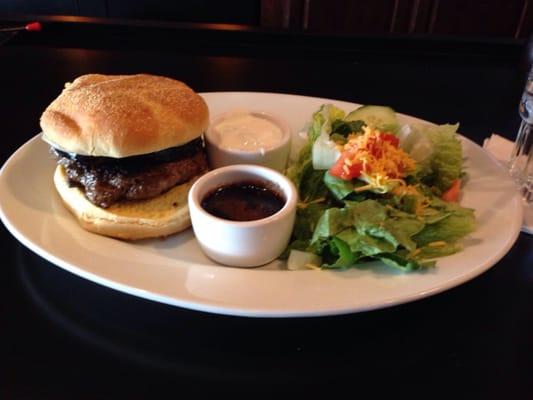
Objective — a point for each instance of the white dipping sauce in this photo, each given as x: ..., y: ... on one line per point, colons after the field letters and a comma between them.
x: 247, y: 132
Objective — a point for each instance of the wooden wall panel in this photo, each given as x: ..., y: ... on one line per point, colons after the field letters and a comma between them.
x: 348, y: 16
x: 498, y: 18
x: 215, y: 11
x: 401, y: 16
x: 286, y: 14
x: 419, y: 16
x: 483, y: 17
x: 525, y: 25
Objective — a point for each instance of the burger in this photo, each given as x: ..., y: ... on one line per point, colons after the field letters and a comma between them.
x: 128, y: 148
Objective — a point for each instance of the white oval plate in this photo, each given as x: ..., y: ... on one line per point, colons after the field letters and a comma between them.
x: 174, y: 271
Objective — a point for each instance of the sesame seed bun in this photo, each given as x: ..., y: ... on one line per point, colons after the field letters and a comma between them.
x: 123, y: 115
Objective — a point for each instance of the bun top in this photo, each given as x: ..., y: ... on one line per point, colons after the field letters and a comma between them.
x: 123, y: 115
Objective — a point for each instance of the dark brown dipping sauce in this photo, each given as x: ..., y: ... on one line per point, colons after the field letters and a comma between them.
x: 243, y: 201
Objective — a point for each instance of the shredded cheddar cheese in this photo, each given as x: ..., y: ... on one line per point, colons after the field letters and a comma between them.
x: 305, y: 205
x: 415, y: 253
x: 380, y: 158
x: 438, y: 243
x: 383, y: 163
x: 406, y: 190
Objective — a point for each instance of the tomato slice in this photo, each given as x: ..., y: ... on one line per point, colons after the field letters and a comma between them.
x: 375, y: 143
x: 452, y: 194
x: 388, y: 137
x: 345, y: 171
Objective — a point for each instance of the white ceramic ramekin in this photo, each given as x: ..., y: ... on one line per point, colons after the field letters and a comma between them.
x: 274, y: 157
x: 248, y: 243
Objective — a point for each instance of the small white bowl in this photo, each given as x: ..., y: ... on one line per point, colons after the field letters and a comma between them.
x: 247, y: 243
x: 274, y: 156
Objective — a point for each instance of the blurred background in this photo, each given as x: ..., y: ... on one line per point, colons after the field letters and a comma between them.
x: 494, y: 18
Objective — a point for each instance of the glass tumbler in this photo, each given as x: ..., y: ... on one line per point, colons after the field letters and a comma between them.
x: 521, y: 163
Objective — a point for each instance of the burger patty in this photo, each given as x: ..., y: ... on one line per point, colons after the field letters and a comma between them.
x: 106, y: 181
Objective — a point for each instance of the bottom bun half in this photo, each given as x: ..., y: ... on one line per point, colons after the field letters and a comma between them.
x: 160, y: 216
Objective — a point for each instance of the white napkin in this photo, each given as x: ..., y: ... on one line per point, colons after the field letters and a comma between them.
x: 501, y: 148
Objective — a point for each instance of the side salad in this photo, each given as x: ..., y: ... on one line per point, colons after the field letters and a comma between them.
x: 372, y: 189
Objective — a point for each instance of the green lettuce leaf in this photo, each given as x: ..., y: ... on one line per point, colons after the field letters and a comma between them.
x: 295, y: 170
x: 437, y: 151
x: 306, y: 221
x: 344, y: 256
x: 300, y: 170
x: 403, y: 263
x: 454, y: 227
x: 323, y: 119
x: 366, y: 244
x: 332, y: 221
x: 428, y: 252
x: 403, y: 229
x: 340, y: 188
x: 311, y: 185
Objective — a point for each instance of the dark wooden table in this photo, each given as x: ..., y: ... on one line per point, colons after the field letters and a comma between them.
x: 62, y: 337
